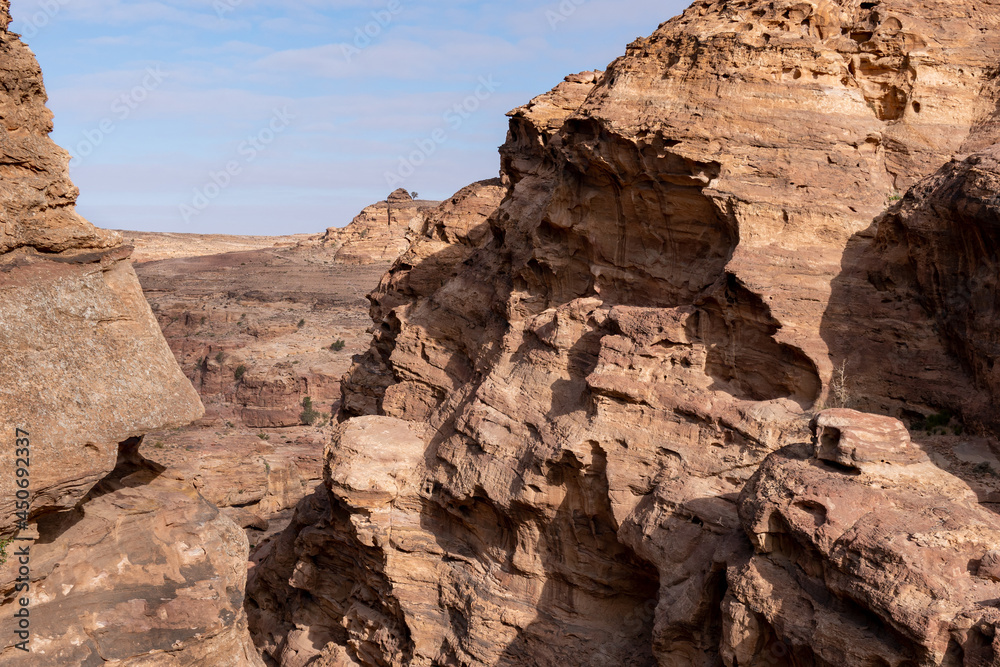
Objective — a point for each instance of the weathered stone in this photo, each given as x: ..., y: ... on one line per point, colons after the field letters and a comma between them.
x: 882, y: 565
x: 853, y: 439
x: 657, y: 306
x: 127, y: 567
x: 380, y: 233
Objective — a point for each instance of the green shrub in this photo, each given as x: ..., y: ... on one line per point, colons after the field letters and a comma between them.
x: 309, y: 416
x: 938, y: 420
x: 302, y: 323
x: 3, y: 549
x: 220, y: 356
x: 264, y: 436
x: 241, y: 370
x: 338, y: 345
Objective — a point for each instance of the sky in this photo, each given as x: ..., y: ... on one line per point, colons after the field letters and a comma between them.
x: 290, y: 116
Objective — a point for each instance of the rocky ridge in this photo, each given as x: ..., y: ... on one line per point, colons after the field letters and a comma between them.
x: 587, y: 427
x: 127, y: 567
x: 380, y: 233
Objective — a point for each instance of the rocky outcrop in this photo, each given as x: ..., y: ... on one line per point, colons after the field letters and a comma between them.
x: 380, y: 233
x: 658, y: 306
x: 143, y: 572
x: 866, y: 553
x: 125, y: 568
x: 450, y: 236
x: 255, y: 478
x: 37, y: 199
x: 926, y: 273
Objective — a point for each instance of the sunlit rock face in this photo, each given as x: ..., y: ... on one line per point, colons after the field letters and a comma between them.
x: 543, y: 453
x: 126, y: 568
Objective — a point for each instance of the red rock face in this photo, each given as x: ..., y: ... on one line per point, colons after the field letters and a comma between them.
x: 671, y: 287
x: 126, y: 568
x: 380, y: 233
x: 882, y: 560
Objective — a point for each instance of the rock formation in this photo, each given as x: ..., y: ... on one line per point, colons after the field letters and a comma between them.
x: 380, y: 233
x: 866, y: 553
x: 576, y: 436
x: 126, y: 568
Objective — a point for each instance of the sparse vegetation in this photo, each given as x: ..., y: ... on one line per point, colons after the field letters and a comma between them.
x: 311, y: 416
x: 3, y: 549
x: 415, y: 194
x: 241, y: 370
x: 895, y: 196
x: 264, y: 436
x: 840, y: 396
x: 308, y: 416
x: 220, y: 356
x: 302, y: 323
x: 159, y: 445
x: 338, y: 345
x: 939, y: 423
x: 230, y: 425
x: 938, y: 420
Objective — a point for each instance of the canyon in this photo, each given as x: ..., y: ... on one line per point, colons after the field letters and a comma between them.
x: 706, y: 378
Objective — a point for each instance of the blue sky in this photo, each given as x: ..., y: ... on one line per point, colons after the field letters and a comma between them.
x: 256, y: 117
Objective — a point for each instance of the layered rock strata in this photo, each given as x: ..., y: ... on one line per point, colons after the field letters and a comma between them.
x: 126, y: 568
x: 866, y: 553
x: 380, y: 233
x: 570, y: 404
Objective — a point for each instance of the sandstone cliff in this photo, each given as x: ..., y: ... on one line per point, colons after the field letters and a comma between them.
x: 380, y: 233
x: 126, y: 568
x: 576, y: 438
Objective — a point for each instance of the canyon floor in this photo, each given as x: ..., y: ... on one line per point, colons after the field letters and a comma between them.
x: 257, y: 324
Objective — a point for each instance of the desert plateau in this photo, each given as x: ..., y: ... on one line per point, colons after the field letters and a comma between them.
x: 706, y: 375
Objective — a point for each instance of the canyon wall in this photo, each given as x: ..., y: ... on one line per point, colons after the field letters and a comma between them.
x: 583, y: 432
x: 380, y: 233
x: 127, y: 567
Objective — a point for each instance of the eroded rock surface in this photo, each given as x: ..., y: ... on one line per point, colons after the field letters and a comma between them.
x: 126, y: 568
x: 257, y: 331
x: 886, y: 560
x: 926, y: 273
x: 658, y: 305
x: 380, y: 233
x: 144, y: 572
